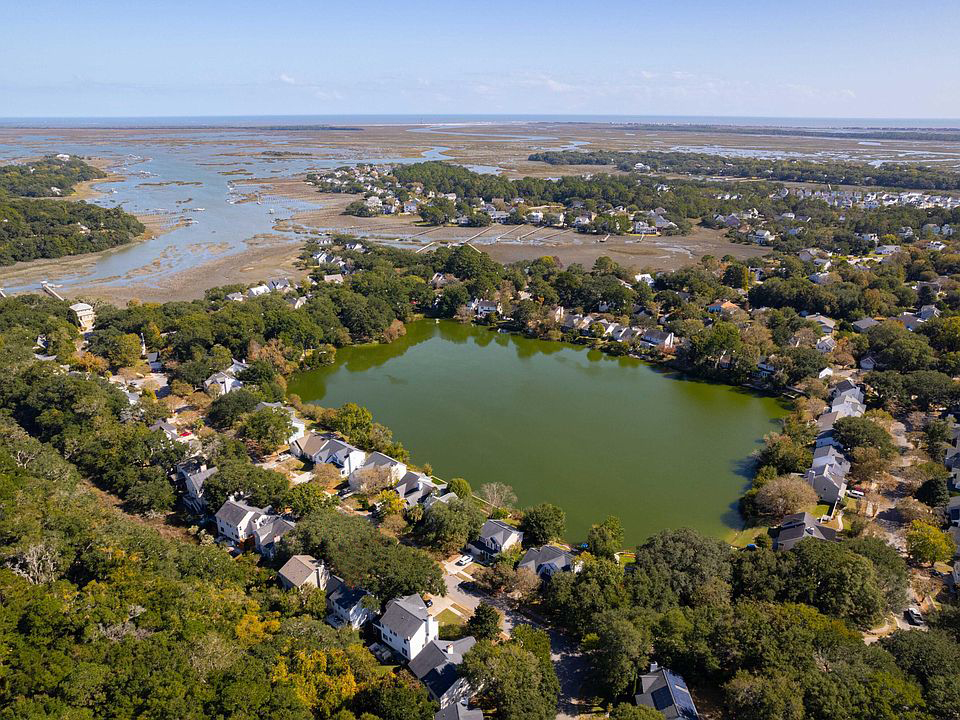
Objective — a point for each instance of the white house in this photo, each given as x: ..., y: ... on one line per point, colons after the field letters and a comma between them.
x: 346, y: 604
x: 302, y: 571
x: 257, y: 290
x: 237, y: 521
x: 436, y: 667
x: 84, y: 316
x: 324, y: 449
x: 375, y: 464
x: 407, y: 627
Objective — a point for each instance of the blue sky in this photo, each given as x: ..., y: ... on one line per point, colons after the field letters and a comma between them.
x: 845, y: 58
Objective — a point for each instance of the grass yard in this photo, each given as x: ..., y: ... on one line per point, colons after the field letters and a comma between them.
x: 449, y: 617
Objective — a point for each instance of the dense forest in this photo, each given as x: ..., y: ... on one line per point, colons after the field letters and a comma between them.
x: 38, y: 179
x: 913, y: 177
x: 33, y: 227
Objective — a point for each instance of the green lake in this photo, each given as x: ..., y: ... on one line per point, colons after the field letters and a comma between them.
x: 559, y: 423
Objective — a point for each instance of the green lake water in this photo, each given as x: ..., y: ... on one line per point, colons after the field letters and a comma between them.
x: 559, y: 423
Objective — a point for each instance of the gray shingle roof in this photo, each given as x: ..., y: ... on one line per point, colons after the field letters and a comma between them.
x: 456, y: 711
x: 405, y: 615
x: 436, y: 665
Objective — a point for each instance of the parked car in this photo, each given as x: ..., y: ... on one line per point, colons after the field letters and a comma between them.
x: 913, y: 616
x: 855, y: 493
x: 428, y: 602
x: 464, y: 560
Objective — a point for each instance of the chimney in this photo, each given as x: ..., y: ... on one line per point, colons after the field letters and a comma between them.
x: 449, y: 649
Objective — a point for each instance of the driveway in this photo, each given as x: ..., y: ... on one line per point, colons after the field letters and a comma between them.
x: 571, y: 665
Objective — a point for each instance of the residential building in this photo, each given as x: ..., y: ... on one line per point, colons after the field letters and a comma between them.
x: 864, y: 324
x: 302, y: 571
x: 497, y: 536
x: 83, y: 315
x: 327, y: 449
x: 799, y: 526
x: 407, y: 627
x: 346, y: 604
x: 459, y: 711
x: 193, y: 473
x: 378, y: 469
x: 237, y: 521
x: 267, y: 537
x: 548, y: 560
x: 436, y: 666
x: 829, y: 483
x: 415, y: 487
x: 666, y: 692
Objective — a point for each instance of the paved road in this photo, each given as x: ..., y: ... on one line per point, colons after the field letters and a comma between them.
x: 571, y: 665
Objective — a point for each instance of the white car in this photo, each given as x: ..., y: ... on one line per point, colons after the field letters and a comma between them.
x: 464, y: 560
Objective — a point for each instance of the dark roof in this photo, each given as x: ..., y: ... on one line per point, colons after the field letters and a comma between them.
x: 548, y: 559
x: 456, y: 711
x: 795, y: 528
x: 345, y: 596
x: 668, y: 691
x: 436, y: 665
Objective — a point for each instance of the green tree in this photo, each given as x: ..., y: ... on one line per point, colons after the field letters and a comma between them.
x: 857, y: 432
x: 626, y: 711
x: 228, y: 409
x: 620, y: 653
x: 606, y: 539
x: 513, y: 681
x: 542, y: 524
x: 450, y: 526
x: 266, y: 429
x: 484, y: 624
x: 928, y: 544
x: 306, y: 498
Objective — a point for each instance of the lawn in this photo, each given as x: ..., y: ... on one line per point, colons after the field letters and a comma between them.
x: 449, y: 617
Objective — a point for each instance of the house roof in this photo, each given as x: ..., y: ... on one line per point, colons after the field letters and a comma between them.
x: 343, y: 595
x: 299, y: 568
x: 436, y: 665
x: 667, y: 692
x: 194, y: 481
x: 405, y: 615
x: 310, y: 444
x: 456, y: 711
x: 233, y: 512
x: 795, y: 528
x: 497, y: 530
x: 548, y: 557
x: 273, y: 530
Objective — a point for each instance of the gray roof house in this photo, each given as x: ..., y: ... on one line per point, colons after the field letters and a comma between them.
x: 547, y: 560
x: 953, y: 511
x: 458, y: 712
x: 302, y: 571
x: 415, y: 487
x: 495, y: 537
x: 193, y: 473
x: 826, y: 455
x: 436, y: 668
x: 238, y: 521
x: 864, y: 324
x: 268, y: 535
x: 828, y: 481
x: 407, y: 627
x: 666, y: 692
x: 795, y: 528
